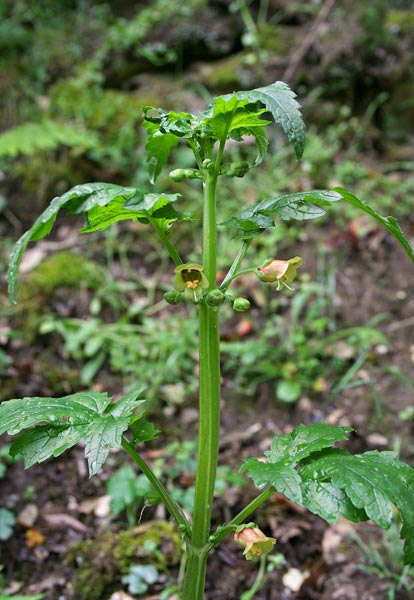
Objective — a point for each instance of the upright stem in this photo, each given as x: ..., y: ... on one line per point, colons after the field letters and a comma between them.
x: 209, y: 408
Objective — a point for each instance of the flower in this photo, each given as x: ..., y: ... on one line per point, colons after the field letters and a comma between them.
x: 281, y: 271
x: 255, y: 542
x: 190, y: 279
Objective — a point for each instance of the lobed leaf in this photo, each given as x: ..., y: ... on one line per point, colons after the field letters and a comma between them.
x: 102, y: 204
x: 389, y: 223
x: 52, y: 425
x: 279, y: 99
x: 330, y: 482
x: 372, y: 481
x: 158, y: 148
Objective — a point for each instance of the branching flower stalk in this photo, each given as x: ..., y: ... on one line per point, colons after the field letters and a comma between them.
x: 303, y: 465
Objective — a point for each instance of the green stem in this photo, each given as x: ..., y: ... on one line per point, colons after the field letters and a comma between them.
x: 232, y: 273
x: 259, y: 581
x: 241, y: 517
x: 228, y: 280
x: 171, y: 505
x: 209, y: 410
x: 164, y: 237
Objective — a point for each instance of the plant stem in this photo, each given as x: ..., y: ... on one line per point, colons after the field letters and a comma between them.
x: 236, y: 265
x: 228, y: 279
x: 164, y: 237
x: 259, y: 581
x: 240, y: 518
x: 209, y: 410
x: 171, y: 505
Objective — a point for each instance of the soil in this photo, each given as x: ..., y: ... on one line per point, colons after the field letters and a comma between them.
x: 373, y: 276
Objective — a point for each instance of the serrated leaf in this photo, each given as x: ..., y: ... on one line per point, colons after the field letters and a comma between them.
x: 304, y: 440
x: 262, y: 144
x: 249, y: 223
x: 63, y: 422
x: 143, y: 431
x: 43, y: 442
x: 282, y: 475
x: 141, y: 207
x: 389, y: 223
x: 328, y: 501
x: 158, y: 148
x: 333, y: 482
x: 373, y: 481
x: 299, y: 206
x: 279, y: 99
x: 229, y: 114
x: 80, y: 199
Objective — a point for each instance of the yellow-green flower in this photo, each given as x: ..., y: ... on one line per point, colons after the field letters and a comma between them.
x: 255, y: 542
x: 190, y: 279
x: 281, y: 271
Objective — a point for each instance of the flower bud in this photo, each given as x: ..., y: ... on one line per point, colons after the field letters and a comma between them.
x: 255, y: 542
x: 215, y: 298
x: 241, y: 305
x: 173, y: 297
x: 237, y: 168
x: 177, y: 175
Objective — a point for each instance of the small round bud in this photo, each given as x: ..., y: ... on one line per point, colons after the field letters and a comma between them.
x: 177, y: 175
x: 215, y: 298
x: 173, y: 297
x: 237, y: 168
x: 192, y: 174
x: 241, y: 305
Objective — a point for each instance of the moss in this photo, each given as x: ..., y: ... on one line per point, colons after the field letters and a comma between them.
x: 279, y: 39
x: 99, y: 564
x: 228, y: 74
x: 63, y: 269
x: 403, y: 19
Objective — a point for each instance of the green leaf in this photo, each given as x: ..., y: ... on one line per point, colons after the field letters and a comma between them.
x: 330, y: 481
x: 300, y: 206
x: 372, y: 481
x: 158, y: 148
x: 47, y: 135
x: 143, y: 431
x: 63, y: 422
x: 249, y: 223
x: 141, y: 207
x: 80, y: 199
x: 279, y: 99
x: 19, y: 597
x: 262, y: 144
x: 282, y: 475
x: 389, y: 223
x: 229, y: 114
x: 328, y: 501
x: 304, y: 440
x: 7, y: 521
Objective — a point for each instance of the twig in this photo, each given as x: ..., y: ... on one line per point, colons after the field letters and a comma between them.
x: 307, y: 41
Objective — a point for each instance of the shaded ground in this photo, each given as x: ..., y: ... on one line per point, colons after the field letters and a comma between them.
x: 372, y: 277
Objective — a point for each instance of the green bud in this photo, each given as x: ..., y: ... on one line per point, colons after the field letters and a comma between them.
x: 237, y: 168
x: 177, y: 175
x: 192, y: 174
x: 173, y: 297
x: 215, y: 298
x: 241, y: 305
